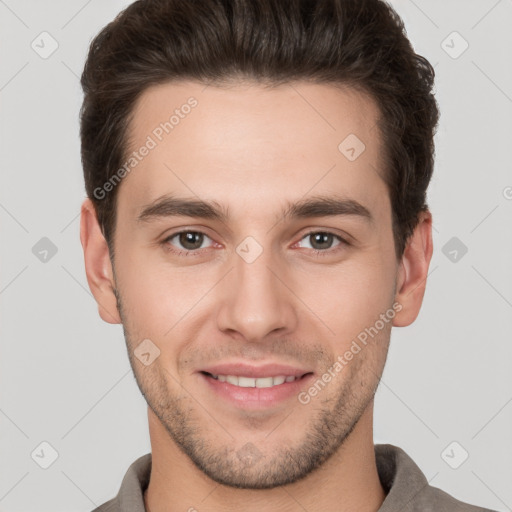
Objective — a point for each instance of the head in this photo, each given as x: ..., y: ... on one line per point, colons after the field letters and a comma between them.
x: 256, y: 176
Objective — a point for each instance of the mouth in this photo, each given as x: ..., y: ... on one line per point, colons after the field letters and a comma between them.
x: 255, y: 382
x: 259, y: 391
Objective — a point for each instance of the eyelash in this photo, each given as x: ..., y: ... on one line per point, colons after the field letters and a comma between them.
x: 197, y: 252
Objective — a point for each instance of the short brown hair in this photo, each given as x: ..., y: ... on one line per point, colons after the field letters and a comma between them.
x: 359, y: 43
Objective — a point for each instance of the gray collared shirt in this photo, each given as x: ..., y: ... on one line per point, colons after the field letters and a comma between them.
x: 406, y: 487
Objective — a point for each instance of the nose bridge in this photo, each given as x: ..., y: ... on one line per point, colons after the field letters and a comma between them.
x: 254, y: 301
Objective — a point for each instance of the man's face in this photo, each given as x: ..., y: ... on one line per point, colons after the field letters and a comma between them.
x: 235, y: 295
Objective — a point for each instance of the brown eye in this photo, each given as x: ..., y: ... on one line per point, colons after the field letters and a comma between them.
x: 185, y: 241
x: 322, y: 241
x: 191, y: 240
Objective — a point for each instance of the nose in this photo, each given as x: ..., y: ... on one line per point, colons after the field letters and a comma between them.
x: 256, y: 299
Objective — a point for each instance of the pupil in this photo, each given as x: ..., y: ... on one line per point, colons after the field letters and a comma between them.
x: 319, y: 236
x: 188, y: 238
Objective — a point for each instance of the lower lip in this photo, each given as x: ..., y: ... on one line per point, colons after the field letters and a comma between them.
x: 257, y: 398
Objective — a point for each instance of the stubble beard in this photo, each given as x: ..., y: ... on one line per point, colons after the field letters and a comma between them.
x: 249, y: 466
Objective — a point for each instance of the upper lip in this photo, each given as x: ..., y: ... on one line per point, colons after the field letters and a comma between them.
x: 261, y: 371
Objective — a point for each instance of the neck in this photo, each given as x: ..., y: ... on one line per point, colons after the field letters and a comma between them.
x: 348, y: 480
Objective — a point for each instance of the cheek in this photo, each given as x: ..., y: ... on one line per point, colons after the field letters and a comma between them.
x: 350, y: 297
x: 157, y: 295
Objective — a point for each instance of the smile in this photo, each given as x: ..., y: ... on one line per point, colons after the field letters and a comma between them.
x: 252, y: 382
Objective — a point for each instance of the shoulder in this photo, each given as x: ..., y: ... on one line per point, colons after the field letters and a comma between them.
x: 130, y: 495
x: 407, y: 487
x: 433, y: 499
x: 110, y: 506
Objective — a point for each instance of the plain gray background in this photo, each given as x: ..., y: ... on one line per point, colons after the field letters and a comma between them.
x: 65, y: 376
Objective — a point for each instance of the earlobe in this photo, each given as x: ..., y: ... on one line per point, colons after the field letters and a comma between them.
x: 413, y: 271
x: 98, y: 266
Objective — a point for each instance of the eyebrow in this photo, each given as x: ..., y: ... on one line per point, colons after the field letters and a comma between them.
x: 316, y: 206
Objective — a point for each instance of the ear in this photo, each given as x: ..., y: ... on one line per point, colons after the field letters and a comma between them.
x: 413, y: 271
x: 98, y: 266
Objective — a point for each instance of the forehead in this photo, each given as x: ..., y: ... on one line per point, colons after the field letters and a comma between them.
x: 245, y: 144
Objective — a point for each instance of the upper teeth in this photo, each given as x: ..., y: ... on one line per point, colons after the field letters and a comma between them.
x: 251, y: 382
